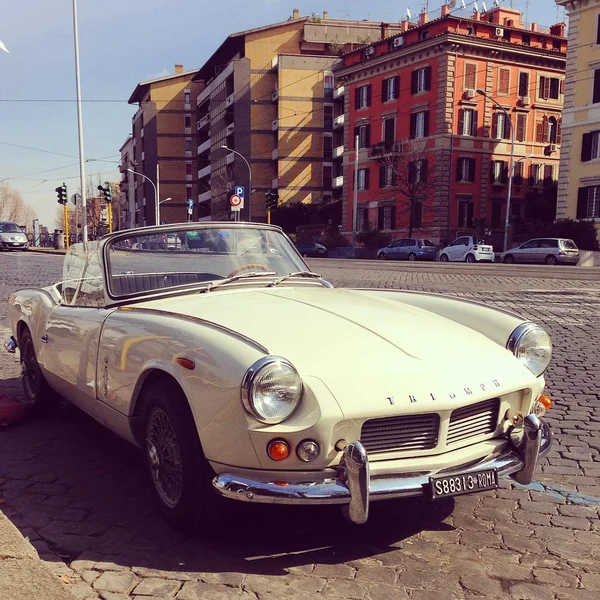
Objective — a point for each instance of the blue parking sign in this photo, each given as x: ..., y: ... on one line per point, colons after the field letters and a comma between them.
x: 190, y: 204
x: 239, y: 191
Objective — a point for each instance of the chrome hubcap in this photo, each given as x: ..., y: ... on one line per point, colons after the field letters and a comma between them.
x: 164, y: 458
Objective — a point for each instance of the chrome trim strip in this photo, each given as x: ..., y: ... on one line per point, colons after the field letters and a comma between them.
x: 353, y: 485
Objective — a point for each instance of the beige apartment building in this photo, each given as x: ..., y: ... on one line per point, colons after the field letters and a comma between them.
x: 579, y: 181
x: 162, y: 149
x: 268, y: 96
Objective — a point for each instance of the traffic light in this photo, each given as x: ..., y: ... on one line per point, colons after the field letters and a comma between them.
x: 106, y: 191
x: 61, y: 193
x: 271, y: 199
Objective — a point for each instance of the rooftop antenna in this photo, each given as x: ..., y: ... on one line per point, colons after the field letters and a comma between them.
x: 526, y: 13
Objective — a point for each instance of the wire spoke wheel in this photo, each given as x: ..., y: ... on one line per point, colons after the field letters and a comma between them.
x: 164, y: 457
x: 32, y: 377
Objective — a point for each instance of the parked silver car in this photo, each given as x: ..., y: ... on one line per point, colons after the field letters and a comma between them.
x: 12, y: 237
x: 408, y: 249
x: 551, y: 251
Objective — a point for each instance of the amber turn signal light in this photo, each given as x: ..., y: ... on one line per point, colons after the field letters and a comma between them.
x: 278, y: 450
x: 545, y: 401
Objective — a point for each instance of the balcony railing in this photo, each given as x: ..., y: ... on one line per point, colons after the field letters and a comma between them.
x: 338, y: 92
x: 275, y: 95
x: 204, y: 147
x: 275, y: 154
x: 338, y: 121
x: 203, y: 122
x: 274, y: 184
x: 204, y: 197
x: 384, y: 148
x: 204, y: 172
x: 338, y: 182
x: 230, y: 129
x: 230, y: 100
x: 275, y: 125
x: 338, y: 151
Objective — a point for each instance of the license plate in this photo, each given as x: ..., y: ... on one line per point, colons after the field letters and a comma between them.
x: 467, y: 483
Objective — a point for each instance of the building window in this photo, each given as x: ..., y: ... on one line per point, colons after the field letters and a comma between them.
x: 364, y: 135
x: 187, y: 122
x: 542, y: 130
x: 536, y: 173
x: 424, y: 34
x: 188, y: 145
x: 521, y: 132
x: 328, y: 116
x: 187, y: 98
x: 363, y: 180
x: 465, y: 213
x: 596, y: 91
x: 188, y: 192
x: 598, y: 30
x: 188, y: 168
x: 503, y: 81
x: 327, y: 146
x: 588, y: 202
x: 465, y: 169
x: 496, y: 214
x: 518, y: 173
x: 390, y: 88
x: 419, y: 124
x: 328, y: 83
x: 421, y: 80
x: 417, y: 214
x: 327, y: 177
x: 389, y: 132
x: 548, y: 174
x: 523, y: 84
x: 550, y: 88
x: 386, y: 217
x: 499, y: 172
x: 590, y: 146
x: 526, y: 39
x: 361, y: 219
x: 362, y: 96
x: 470, y: 76
x: 467, y: 121
x: 417, y: 171
x: 388, y: 176
x: 500, y: 126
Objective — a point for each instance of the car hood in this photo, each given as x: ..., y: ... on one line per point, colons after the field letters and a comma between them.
x: 366, y: 349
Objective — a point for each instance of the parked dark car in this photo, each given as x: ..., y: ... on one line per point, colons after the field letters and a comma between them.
x: 408, y: 249
x: 311, y: 249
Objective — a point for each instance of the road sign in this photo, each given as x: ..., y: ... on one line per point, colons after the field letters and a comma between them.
x: 190, y: 204
x: 239, y: 191
x: 236, y: 202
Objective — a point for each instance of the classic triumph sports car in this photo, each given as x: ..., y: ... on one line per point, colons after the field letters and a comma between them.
x: 241, y: 373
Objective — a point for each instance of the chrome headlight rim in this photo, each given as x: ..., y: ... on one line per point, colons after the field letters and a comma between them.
x: 517, y: 336
x: 250, y: 378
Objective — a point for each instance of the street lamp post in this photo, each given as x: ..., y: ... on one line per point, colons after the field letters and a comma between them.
x: 156, y: 203
x: 510, y: 165
x: 249, y: 178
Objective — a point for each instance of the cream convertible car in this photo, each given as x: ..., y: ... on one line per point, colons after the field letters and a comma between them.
x: 241, y: 373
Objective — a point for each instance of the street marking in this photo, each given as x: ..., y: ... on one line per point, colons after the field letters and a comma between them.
x: 560, y: 493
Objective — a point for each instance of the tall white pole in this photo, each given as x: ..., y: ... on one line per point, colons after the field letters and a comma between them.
x: 84, y: 226
x: 355, y: 202
x: 510, y: 180
x: 156, y: 189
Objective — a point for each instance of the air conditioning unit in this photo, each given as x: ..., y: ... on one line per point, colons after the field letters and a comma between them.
x: 553, y: 147
x: 499, y: 32
x: 370, y: 51
x: 470, y: 94
x: 399, y: 41
x: 525, y: 100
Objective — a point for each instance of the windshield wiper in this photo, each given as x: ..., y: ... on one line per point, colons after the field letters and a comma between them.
x: 212, y: 286
x: 299, y: 274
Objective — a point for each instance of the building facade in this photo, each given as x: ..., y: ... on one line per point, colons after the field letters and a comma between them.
x: 579, y: 181
x: 264, y: 117
x: 435, y: 109
x: 162, y: 153
x: 127, y: 217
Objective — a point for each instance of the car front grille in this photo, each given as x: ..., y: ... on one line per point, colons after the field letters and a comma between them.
x: 422, y: 431
x: 409, y: 432
x: 472, y: 421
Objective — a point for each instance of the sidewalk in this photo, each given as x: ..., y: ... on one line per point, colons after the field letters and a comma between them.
x: 22, y: 574
x: 45, y: 251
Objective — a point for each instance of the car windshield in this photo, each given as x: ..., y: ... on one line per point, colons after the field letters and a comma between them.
x: 147, y: 261
x: 9, y: 228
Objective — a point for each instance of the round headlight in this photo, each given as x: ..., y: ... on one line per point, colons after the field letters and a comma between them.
x: 532, y: 345
x: 271, y: 389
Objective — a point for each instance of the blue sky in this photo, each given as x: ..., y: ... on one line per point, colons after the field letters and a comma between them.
x: 123, y: 42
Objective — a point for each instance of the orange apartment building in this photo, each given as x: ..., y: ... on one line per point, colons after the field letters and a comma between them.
x: 435, y: 105
x: 161, y: 150
x: 268, y: 96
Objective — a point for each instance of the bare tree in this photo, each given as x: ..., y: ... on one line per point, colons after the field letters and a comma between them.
x: 13, y: 208
x: 409, y: 175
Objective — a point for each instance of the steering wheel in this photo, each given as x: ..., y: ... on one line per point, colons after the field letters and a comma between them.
x: 248, y: 266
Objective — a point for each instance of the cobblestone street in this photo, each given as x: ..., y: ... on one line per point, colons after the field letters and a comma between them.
x: 80, y: 494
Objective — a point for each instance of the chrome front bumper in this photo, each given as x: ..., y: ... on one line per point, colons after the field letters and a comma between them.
x: 355, y: 488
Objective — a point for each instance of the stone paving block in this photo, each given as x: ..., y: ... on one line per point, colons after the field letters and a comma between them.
x: 120, y: 583
x: 162, y: 588
x: 384, y: 575
x: 482, y: 585
x: 590, y: 581
x: 334, y: 571
x: 509, y: 572
x: 343, y: 588
x: 224, y: 578
x: 556, y: 577
x: 530, y: 591
x: 480, y: 539
x: 386, y: 592
x: 531, y: 518
x: 578, y: 594
x: 571, y: 522
x: 284, y: 586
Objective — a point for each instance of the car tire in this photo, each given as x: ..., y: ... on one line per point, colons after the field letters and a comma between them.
x: 509, y: 259
x: 42, y: 399
x: 412, y: 257
x: 382, y: 256
x: 444, y: 258
x: 470, y: 258
x: 551, y: 260
x: 184, y: 493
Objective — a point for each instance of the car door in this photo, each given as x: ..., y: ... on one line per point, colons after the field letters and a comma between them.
x: 407, y: 248
x: 458, y: 249
x: 395, y: 249
x: 528, y: 251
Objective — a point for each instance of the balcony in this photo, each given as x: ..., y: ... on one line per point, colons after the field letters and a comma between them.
x: 275, y: 62
x: 275, y: 154
x: 338, y: 151
x: 230, y: 158
x: 230, y: 100
x: 203, y: 122
x: 384, y: 148
x: 338, y: 92
x: 230, y: 129
x: 275, y: 125
x: 275, y: 95
x: 338, y: 182
x: 338, y: 121
x: 204, y: 147
x: 205, y: 197
x: 205, y: 172
x: 274, y: 184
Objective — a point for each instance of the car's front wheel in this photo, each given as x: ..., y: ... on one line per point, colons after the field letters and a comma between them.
x: 509, y: 259
x: 444, y: 258
x: 181, y: 476
x: 382, y: 256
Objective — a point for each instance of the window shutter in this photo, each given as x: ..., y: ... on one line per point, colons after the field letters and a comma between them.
x: 396, y: 87
x: 521, y: 120
x: 411, y: 172
x: 504, y: 173
x: 380, y: 218
x: 461, y: 121
x: 523, y: 84
x: 426, y: 124
x: 495, y: 126
x: 507, y: 124
x: 381, y: 176
x: 368, y: 136
x: 394, y: 175
x: 492, y: 171
x: 459, y: 163
x: 546, y: 93
x: 470, y: 214
x: 582, y: 202
x: 356, y: 97
x: 471, y: 169
x: 559, y: 131
x: 470, y: 76
x: 596, y: 93
x: 413, y: 82
x: 413, y: 124
x: 367, y: 171
x: 598, y: 31
x: 384, y: 95
x: 586, y: 147
x: 503, y: 82
x: 424, y: 171
x: 393, y: 217
x: 474, y: 126
x: 539, y: 132
x: 369, y: 94
x: 427, y: 78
